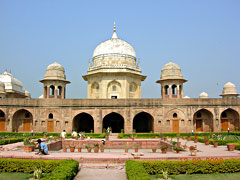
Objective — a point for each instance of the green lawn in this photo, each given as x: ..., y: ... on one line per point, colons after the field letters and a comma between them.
x: 16, y: 176
x: 226, y: 176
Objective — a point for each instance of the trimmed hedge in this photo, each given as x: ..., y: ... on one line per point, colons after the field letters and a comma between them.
x: 27, y: 165
x: 136, y: 171
x: 178, y: 167
x: 171, y: 135
x: 57, y: 169
x: 67, y: 170
x: 192, y: 167
x: 11, y: 140
x: 220, y: 142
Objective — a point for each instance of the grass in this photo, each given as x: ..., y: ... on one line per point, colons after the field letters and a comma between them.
x: 228, y: 176
x: 17, y: 176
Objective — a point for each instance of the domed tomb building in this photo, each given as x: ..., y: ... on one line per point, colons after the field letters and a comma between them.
x: 114, y: 72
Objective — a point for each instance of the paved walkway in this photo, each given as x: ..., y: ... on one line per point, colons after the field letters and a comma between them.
x: 101, y: 172
x: 118, y: 155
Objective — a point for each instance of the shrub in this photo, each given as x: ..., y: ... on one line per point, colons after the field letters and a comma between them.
x: 10, y: 140
x: 27, y: 165
x: 192, y: 167
x: 57, y: 169
x: 67, y: 170
x: 136, y: 171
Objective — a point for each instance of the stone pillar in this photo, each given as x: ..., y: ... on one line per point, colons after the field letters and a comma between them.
x: 163, y: 91
x: 63, y: 93
x: 178, y: 93
x: 44, y: 92
x: 55, y: 92
x: 48, y: 88
x: 170, y: 91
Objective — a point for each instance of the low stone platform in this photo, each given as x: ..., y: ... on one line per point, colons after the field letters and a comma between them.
x: 118, y: 156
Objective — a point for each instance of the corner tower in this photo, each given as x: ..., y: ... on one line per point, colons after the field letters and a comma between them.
x: 114, y: 72
x: 54, y: 82
x: 171, y: 81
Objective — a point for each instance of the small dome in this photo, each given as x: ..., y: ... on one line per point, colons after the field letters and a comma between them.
x: 203, y: 95
x: 171, y: 71
x: 186, y: 97
x: 55, y: 71
x: 2, y: 87
x: 229, y: 89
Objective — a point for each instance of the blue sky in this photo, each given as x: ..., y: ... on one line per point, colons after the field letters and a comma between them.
x: 202, y: 37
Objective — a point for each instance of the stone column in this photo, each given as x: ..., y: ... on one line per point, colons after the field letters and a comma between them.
x: 178, y: 93
x: 163, y: 91
x: 55, y: 92
x: 48, y: 88
x: 44, y: 92
x: 62, y: 93
x: 170, y: 91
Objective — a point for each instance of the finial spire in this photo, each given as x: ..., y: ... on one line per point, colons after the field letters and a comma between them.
x: 114, y: 36
x: 114, y: 26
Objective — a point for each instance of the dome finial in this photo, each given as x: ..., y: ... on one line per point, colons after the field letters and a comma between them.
x: 114, y: 36
x: 114, y: 26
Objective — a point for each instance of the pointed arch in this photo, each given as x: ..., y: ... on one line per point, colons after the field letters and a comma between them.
x: 115, y: 121
x: 2, y: 121
x: 113, y: 89
x: 83, y: 122
x: 143, y: 122
x: 203, y: 121
x: 22, y: 121
x: 230, y: 119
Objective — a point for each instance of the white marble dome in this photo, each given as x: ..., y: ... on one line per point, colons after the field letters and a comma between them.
x: 203, y: 95
x: 171, y: 71
x: 114, y: 53
x: 229, y: 89
x: 55, y: 71
x: 114, y: 46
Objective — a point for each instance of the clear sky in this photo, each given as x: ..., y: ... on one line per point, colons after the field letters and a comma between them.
x: 202, y: 37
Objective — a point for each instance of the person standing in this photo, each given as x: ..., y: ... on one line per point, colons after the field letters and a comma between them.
x: 63, y: 134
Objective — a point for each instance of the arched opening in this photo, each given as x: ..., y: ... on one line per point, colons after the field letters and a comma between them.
x: 175, y: 115
x: 52, y: 91
x: 143, y: 123
x: 229, y: 119
x: 83, y: 122
x: 59, y: 90
x: 113, y: 90
x: 203, y: 121
x: 22, y: 121
x: 114, y: 121
x: 174, y: 89
x: 50, y: 116
x: 2, y: 121
x: 166, y: 88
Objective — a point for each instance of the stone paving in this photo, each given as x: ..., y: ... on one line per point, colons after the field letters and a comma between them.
x: 110, y: 164
x: 101, y: 172
x: 118, y: 155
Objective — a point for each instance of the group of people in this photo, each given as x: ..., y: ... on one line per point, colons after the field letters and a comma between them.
x: 74, y: 134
